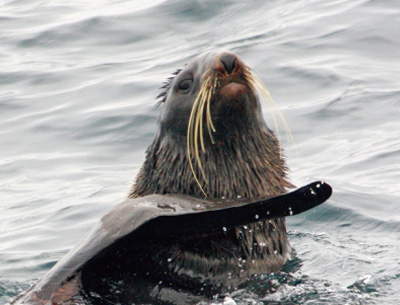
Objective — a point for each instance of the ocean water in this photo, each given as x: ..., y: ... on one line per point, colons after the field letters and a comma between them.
x: 78, y: 82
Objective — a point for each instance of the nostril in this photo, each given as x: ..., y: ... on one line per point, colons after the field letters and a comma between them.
x: 229, y: 62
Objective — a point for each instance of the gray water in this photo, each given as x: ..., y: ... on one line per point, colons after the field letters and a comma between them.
x: 78, y: 82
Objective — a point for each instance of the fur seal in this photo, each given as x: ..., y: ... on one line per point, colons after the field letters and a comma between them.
x: 206, y: 212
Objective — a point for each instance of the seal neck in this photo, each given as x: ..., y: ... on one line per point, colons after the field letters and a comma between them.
x: 246, y: 166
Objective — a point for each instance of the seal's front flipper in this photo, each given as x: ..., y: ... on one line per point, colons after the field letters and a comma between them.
x: 300, y: 200
x: 228, y: 214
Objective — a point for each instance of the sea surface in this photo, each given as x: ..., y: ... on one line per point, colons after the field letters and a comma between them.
x: 78, y: 81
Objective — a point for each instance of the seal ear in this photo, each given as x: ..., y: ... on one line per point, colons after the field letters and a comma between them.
x: 165, y: 87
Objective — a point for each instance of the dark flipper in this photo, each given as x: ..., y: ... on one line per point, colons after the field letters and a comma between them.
x: 228, y: 214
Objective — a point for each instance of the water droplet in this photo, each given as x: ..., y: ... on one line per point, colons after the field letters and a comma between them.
x: 224, y: 229
x: 256, y: 216
x: 169, y: 259
x: 229, y: 300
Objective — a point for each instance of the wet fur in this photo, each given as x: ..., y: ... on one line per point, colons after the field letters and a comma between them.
x: 245, y: 162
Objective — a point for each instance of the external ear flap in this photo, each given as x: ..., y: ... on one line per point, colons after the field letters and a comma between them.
x: 166, y: 85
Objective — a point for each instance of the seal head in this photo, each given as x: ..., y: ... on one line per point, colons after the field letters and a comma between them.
x: 231, y: 94
x: 212, y: 139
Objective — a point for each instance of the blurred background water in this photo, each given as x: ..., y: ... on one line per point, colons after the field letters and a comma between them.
x: 78, y: 82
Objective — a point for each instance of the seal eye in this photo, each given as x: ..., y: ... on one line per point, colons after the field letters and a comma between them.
x: 185, y: 84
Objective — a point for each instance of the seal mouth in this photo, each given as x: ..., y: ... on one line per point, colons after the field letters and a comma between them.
x: 233, y: 90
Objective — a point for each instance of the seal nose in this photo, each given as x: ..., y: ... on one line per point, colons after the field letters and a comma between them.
x: 229, y: 62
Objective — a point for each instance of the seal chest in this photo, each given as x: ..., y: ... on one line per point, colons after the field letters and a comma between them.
x: 212, y: 141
